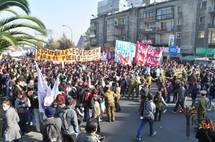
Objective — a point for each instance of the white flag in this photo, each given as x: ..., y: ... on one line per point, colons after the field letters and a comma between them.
x: 43, y: 89
x: 49, y: 99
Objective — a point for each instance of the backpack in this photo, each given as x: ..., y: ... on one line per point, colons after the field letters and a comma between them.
x: 148, y: 114
x: 53, y: 132
x: 63, y: 116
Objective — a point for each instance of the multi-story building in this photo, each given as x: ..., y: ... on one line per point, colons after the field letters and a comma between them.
x: 192, y: 22
x: 110, y: 6
x: 205, y: 28
x: 134, y: 3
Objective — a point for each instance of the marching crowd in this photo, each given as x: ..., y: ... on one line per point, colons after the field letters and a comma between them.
x: 89, y: 90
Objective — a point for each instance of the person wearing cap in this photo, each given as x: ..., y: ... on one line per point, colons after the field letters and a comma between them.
x: 202, y: 106
x: 51, y: 133
x: 110, y: 103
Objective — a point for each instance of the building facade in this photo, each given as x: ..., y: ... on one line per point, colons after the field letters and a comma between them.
x: 110, y: 6
x: 191, y: 22
x: 134, y: 3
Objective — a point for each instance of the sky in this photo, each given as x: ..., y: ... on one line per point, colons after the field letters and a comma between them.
x: 73, y: 13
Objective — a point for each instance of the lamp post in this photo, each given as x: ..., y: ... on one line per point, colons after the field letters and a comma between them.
x: 70, y: 31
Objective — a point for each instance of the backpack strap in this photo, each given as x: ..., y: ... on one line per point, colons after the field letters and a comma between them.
x: 65, y: 119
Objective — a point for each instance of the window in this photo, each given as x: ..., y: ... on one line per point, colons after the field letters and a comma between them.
x: 148, y: 14
x: 163, y: 26
x: 115, y: 22
x: 212, y: 39
x: 201, y: 34
x: 165, y: 13
x: 179, y: 10
x: 178, y: 35
x: 179, y: 21
x: 121, y: 21
x: 202, y: 20
x: 213, y: 21
x: 203, y: 4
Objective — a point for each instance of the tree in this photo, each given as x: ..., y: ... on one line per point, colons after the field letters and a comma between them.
x: 65, y: 43
x: 87, y: 39
x: 61, y: 44
x: 12, y: 28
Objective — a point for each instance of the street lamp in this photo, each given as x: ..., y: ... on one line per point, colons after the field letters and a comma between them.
x: 70, y: 30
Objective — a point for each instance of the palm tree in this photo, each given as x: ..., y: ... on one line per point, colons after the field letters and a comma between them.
x: 12, y: 28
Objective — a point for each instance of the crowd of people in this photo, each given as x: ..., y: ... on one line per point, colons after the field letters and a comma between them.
x: 89, y: 90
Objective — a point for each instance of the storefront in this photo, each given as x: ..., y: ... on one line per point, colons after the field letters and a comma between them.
x: 205, y: 52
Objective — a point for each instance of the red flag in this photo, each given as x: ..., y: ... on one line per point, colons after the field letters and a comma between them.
x: 141, y: 52
x: 153, y: 57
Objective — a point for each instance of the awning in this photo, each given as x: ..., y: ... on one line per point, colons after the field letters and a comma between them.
x: 189, y: 58
x: 205, y: 52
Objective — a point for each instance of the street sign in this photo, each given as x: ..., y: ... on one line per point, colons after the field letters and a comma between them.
x: 173, y: 50
x: 171, y: 40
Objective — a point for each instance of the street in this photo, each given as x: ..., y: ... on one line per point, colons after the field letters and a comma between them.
x: 171, y: 128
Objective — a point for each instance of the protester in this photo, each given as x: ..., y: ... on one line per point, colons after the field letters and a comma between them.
x: 160, y: 104
x: 96, y: 112
x: 101, y: 80
x: 148, y: 117
x: 70, y: 126
x: 117, y: 91
x: 181, y: 97
x: 11, y: 129
x: 202, y: 106
x: 51, y: 130
x: 206, y: 132
x: 90, y: 135
x: 22, y: 104
x: 109, y: 102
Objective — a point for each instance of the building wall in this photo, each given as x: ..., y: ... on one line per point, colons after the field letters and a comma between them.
x: 139, y: 24
x: 110, y: 6
x: 135, y: 3
x: 208, y: 27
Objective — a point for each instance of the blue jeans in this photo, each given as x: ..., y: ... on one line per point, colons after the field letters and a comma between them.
x: 210, y: 101
x: 86, y: 114
x: 142, y: 125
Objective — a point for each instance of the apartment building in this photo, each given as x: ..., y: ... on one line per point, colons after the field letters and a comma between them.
x: 192, y: 22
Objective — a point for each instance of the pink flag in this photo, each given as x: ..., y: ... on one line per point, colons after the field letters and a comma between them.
x: 141, y: 52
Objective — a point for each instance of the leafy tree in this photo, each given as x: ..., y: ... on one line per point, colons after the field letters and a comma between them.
x: 61, y: 44
x: 13, y: 28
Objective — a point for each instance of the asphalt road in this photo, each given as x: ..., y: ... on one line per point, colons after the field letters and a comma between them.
x: 171, y: 128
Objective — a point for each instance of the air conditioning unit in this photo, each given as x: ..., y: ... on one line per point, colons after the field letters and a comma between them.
x: 211, y: 9
x: 178, y: 35
x: 116, y: 22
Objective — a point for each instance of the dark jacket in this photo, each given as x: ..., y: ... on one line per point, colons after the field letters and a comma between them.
x: 205, y: 135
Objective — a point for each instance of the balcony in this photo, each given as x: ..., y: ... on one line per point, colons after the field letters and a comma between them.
x: 211, y: 25
x: 119, y: 26
x: 148, y: 30
x: 211, y: 10
x: 164, y: 30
